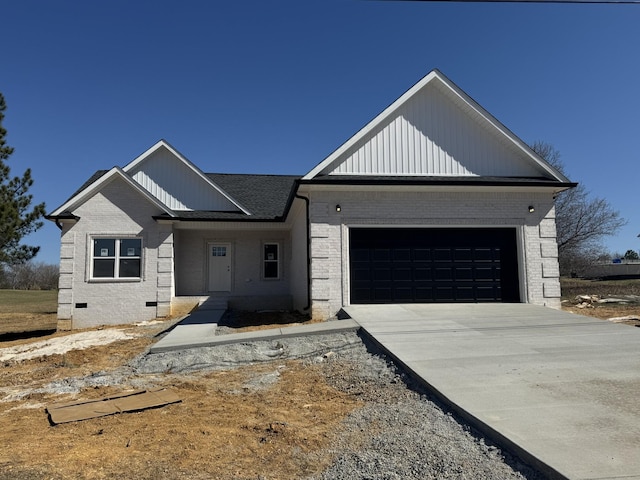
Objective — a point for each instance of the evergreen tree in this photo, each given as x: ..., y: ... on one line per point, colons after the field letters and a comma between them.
x: 631, y: 255
x: 17, y: 219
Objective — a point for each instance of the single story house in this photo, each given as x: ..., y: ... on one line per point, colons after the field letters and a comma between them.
x: 434, y: 200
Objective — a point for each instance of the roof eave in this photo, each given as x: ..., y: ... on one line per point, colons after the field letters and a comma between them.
x: 165, y: 219
x: 337, y: 180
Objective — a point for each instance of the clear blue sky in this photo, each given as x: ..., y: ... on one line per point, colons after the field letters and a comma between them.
x: 275, y: 86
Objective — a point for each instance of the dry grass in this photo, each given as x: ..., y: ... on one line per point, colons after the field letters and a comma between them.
x: 27, y: 311
x: 221, y: 429
x: 572, y: 287
x: 28, y: 301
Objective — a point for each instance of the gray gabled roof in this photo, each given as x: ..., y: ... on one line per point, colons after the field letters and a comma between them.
x: 266, y: 197
x: 96, y: 176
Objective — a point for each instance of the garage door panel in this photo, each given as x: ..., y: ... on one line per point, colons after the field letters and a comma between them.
x: 423, y: 294
x: 382, y: 294
x: 443, y: 274
x: 403, y: 274
x: 421, y: 254
x: 359, y: 255
x: 401, y: 255
x: 464, y: 273
x: 483, y: 254
x: 421, y: 274
x: 360, y: 295
x: 442, y: 255
x: 382, y: 274
x: 444, y: 294
x: 381, y: 255
x: 403, y: 294
x: 486, y: 273
x: 462, y: 254
x: 360, y: 274
x: 487, y: 293
x: 433, y: 265
x: 465, y: 294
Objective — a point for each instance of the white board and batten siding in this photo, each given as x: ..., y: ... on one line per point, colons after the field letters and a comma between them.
x: 177, y: 185
x: 434, y: 134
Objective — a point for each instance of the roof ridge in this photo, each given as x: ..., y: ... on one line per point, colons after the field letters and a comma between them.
x: 256, y: 174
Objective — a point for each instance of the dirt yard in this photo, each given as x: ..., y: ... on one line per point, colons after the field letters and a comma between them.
x: 572, y: 289
x: 286, y: 418
x: 223, y: 428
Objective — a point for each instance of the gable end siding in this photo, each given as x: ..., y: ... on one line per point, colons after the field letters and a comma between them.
x: 432, y: 135
x: 176, y: 185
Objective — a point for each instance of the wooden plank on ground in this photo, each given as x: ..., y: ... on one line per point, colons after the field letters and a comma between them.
x: 129, y: 402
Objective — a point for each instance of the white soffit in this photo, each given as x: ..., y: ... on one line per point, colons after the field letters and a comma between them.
x: 435, y: 129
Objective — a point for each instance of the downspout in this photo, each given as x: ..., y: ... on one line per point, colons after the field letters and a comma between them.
x: 306, y: 201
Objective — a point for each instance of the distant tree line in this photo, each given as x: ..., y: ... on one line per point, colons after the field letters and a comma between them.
x: 29, y: 276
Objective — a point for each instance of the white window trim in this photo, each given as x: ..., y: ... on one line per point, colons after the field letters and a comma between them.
x: 116, y: 258
x: 264, y: 261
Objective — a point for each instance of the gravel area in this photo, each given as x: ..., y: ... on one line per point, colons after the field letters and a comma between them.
x: 399, y: 433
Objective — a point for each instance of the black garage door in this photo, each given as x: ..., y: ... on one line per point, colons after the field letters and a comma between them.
x: 426, y: 265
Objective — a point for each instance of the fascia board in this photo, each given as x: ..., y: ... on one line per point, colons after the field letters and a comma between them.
x: 163, y: 143
x: 309, y: 188
x: 463, y: 97
x: 96, y: 186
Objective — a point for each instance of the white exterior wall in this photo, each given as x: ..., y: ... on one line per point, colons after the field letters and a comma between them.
x: 537, y: 250
x: 249, y: 290
x: 117, y: 210
x: 299, y: 277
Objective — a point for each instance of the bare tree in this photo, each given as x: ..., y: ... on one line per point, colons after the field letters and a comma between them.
x: 582, y: 221
x: 29, y: 276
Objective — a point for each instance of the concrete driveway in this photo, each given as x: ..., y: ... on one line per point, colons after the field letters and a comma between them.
x: 561, y: 390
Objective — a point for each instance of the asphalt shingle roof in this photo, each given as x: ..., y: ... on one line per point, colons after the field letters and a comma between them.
x: 264, y: 196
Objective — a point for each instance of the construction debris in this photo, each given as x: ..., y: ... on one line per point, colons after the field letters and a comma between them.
x: 590, y: 301
x: 129, y: 402
x: 628, y: 318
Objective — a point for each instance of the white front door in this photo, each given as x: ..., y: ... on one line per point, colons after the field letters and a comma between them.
x: 219, y: 267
